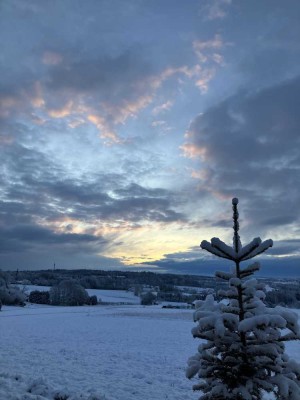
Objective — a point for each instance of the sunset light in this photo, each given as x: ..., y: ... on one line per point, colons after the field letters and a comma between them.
x: 126, y: 127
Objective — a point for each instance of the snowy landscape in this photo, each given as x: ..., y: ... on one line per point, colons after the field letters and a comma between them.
x: 96, y: 353
x: 65, y: 342
x: 101, y: 352
x: 130, y: 133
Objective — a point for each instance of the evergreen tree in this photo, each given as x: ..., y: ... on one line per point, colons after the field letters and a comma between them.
x: 243, y: 354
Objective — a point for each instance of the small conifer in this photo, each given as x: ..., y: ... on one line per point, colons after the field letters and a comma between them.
x: 242, y: 354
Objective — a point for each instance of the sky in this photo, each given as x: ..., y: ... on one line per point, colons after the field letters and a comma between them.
x: 126, y: 128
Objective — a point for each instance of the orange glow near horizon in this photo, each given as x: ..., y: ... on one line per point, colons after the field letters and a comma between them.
x: 135, y: 244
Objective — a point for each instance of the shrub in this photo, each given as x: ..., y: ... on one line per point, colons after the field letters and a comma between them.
x: 39, y: 297
x: 148, y: 299
x: 93, y: 301
x: 68, y: 293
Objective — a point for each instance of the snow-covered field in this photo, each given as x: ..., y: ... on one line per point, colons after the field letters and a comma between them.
x: 117, y: 352
x: 97, y: 353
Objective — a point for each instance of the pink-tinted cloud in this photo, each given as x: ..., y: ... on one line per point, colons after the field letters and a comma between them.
x: 206, y: 50
x: 62, y: 112
x: 203, y: 81
x: 127, y: 108
x: 162, y: 107
x: 191, y: 150
x: 105, y: 132
x: 51, y: 58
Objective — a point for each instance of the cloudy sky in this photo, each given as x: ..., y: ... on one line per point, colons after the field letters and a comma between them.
x: 126, y: 127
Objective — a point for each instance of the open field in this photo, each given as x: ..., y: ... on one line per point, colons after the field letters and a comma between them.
x: 100, y: 352
x: 128, y: 352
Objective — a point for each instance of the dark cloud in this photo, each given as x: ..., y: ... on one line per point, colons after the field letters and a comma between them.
x: 194, y: 267
x: 142, y: 208
x: 87, y: 202
x: 277, y: 40
x: 285, y: 267
x: 33, y: 246
x: 250, y: 144
x: 289, y: 247
x: 20, y: 237
x: 135, y: 190
x: 109, y: 75
x: 38, y: 234
x: 191, y: 254
x: 40, y: 257
x: 217, y: 223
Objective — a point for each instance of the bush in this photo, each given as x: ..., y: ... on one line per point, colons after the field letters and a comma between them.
x: 39, y: 297
x: 148, y: 299
x: 93, y: 301
x: 68, y: 293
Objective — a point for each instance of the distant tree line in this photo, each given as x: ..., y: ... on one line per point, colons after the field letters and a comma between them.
x: 287, y: 295
x: 111, y: 280
x: 164, y: 287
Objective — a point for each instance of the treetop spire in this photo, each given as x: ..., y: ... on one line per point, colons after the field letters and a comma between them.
x: 236, y: 238
x: 237, y: 253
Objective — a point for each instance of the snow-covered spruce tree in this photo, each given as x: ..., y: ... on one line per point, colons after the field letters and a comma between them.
x: 243, y: 354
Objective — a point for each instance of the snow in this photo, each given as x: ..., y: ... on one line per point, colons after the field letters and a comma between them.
x: 268, y: 320
x: 205, y: 245
x: 17, y: 388
x: 115, y: 296
x: 112, y: 352
x: 221, y: 249
x: 257, y: 249
x: 98, y: 352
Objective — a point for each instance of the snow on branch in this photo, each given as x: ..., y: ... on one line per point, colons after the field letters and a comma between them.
x: 205, y: 245
x: 223, y: 248
x: 220, y: 249
x: 224, y: 275
x: 249, y: 247
x: 252, y: 323
x: 261, y: 248
x: 250, y: 269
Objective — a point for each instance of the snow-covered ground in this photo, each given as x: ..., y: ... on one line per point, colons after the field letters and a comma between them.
x: 97, y: 353
x: 118, y: 352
